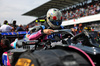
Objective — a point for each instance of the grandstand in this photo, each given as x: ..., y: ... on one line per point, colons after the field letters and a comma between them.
x: 69, y: 10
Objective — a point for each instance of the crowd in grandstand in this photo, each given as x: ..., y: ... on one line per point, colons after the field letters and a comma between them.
x: 82, y: 10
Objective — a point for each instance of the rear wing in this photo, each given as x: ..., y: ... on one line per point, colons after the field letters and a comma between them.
x: 13, y: 33
x: 10, y: 35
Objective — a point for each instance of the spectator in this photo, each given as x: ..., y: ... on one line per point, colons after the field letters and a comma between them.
x: 75, y: 29
x: 5, y: 27
x: 19, y: 28
x: 80, y: 28
x: 14, y: 25
x: 27, y: 28
x: 4, y: 46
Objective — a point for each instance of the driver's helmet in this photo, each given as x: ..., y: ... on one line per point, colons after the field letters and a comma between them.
x: 54, y: 18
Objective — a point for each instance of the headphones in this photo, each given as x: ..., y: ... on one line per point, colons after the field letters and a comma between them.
x: 7, y: 23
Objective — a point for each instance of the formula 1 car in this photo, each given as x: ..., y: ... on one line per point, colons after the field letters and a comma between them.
x: 87, y: 42
x: 73, y: 50
x: 6, y: 38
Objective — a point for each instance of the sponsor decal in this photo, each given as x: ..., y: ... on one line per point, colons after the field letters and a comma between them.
x: 23, y: 62
x: 32, y: 65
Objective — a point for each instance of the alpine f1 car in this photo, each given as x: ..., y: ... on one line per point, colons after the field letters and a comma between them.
x: 6, y: 38
x: 79, y: 50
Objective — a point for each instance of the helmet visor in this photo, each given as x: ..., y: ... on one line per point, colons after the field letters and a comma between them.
x: 56, y: 22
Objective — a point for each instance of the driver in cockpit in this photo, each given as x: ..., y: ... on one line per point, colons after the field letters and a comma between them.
x: 53, y: 22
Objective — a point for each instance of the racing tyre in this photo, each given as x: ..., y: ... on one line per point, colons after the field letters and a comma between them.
x: 51, y: 57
